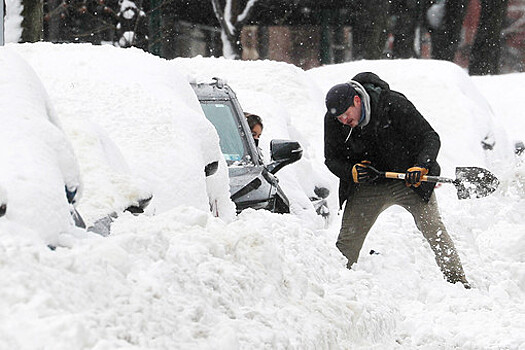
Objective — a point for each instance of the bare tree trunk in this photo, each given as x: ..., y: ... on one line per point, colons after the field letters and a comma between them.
x: 32, y: 22
x: 263, y: 40
x: 2, y: 14
x: 154, y: 28
x: 339, y: 40
x: 369, y: 29
x: 407, y: 16
x: 231, y: 45
x: 52, y: 23
x: 326, y: 37
x: 232, y: 19
x: 485, y: 54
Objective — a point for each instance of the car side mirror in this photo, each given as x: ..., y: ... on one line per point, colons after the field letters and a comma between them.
x: 211, y: 168
x: 283, y: 152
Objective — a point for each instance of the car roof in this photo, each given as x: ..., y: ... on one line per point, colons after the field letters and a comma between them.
x: 216, y: 90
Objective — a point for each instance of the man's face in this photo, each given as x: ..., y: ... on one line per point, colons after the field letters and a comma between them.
x: 352, y: 115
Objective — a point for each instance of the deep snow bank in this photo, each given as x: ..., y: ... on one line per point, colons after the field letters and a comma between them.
x: 38, y: 161
x: 185, y: 280
x: 286, y: 99
x: 136, y: 126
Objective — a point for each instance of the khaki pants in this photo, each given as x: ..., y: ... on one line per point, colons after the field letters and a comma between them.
x: 369, y: 200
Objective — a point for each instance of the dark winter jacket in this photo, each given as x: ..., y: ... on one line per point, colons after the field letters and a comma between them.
x: 396, y: 138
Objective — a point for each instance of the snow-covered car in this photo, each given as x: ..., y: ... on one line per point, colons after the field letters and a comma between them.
x: 284, y: 97
x: 137, y: 128
x: 252, y: 183
x: 39, y: 181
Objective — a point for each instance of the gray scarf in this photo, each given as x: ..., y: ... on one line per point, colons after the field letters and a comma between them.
x: 365, y: 98
x: 365, y: 102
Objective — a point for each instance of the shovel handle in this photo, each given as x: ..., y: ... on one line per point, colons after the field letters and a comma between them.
x: 392, y: 175
x: 426, y: 178
x: 470, y: 182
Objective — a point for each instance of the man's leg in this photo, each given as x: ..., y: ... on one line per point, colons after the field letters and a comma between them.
x: 429, y: 222
x: 361, y: 211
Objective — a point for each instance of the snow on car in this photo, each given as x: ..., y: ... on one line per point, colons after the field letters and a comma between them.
x: 39, y: 178
x: 158, y: 133
x: 252, y: 183
x: 259, y: 88
x: 184, y: 279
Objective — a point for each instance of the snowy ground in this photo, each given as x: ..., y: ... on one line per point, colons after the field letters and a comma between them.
x: 179, y: 278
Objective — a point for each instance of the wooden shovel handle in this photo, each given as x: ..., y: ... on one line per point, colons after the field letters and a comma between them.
x: 392, y: 175
x: 425, y: 178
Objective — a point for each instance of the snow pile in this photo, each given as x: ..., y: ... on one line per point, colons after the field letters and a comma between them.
x: 288, y: 102
x: 38, y: 162
x: 183, y: 279
x: 178, y: 278
x: 133, y: 121
x: 505, y: 101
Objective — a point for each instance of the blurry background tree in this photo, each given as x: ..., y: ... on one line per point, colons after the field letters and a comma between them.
x: 117, y: 22
x: 485, y: 36
x: 32, y: 15
x: 369, y: 28
x: 2, y: 17
x: 485, y: 54
x: 405, y: 17
x: 132, y: 26
x: 232, y: 16
x: 446, y: 27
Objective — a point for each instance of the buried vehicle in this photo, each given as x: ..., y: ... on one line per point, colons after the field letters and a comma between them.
x: 40, y: 182
x: 252, y: 183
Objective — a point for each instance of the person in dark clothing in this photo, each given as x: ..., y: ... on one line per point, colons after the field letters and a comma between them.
x: 256, y: 126
x: 367, y: 124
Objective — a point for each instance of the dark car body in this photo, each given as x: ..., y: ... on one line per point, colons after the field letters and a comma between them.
x: 252, y: 183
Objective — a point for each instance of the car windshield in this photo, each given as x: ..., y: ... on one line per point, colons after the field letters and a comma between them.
x: 220, y: 114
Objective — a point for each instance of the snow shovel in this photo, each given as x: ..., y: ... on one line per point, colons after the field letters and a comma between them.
x: 470, y: 182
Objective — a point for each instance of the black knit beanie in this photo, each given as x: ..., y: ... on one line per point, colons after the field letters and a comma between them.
x: 339, y: 98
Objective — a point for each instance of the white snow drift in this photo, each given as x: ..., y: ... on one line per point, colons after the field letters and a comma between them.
x: 179, y: 278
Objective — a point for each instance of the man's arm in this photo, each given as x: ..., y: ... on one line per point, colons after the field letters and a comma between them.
x: 418, y: 131
x: 335, y: 159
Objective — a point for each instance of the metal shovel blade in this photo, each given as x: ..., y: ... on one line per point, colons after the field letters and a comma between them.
x: 474, y: 182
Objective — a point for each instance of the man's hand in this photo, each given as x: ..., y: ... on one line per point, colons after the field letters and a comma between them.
x: 414, y: 174
x: 361, y: 173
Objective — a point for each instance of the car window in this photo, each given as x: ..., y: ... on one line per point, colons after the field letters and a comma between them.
x: 220, y: 114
